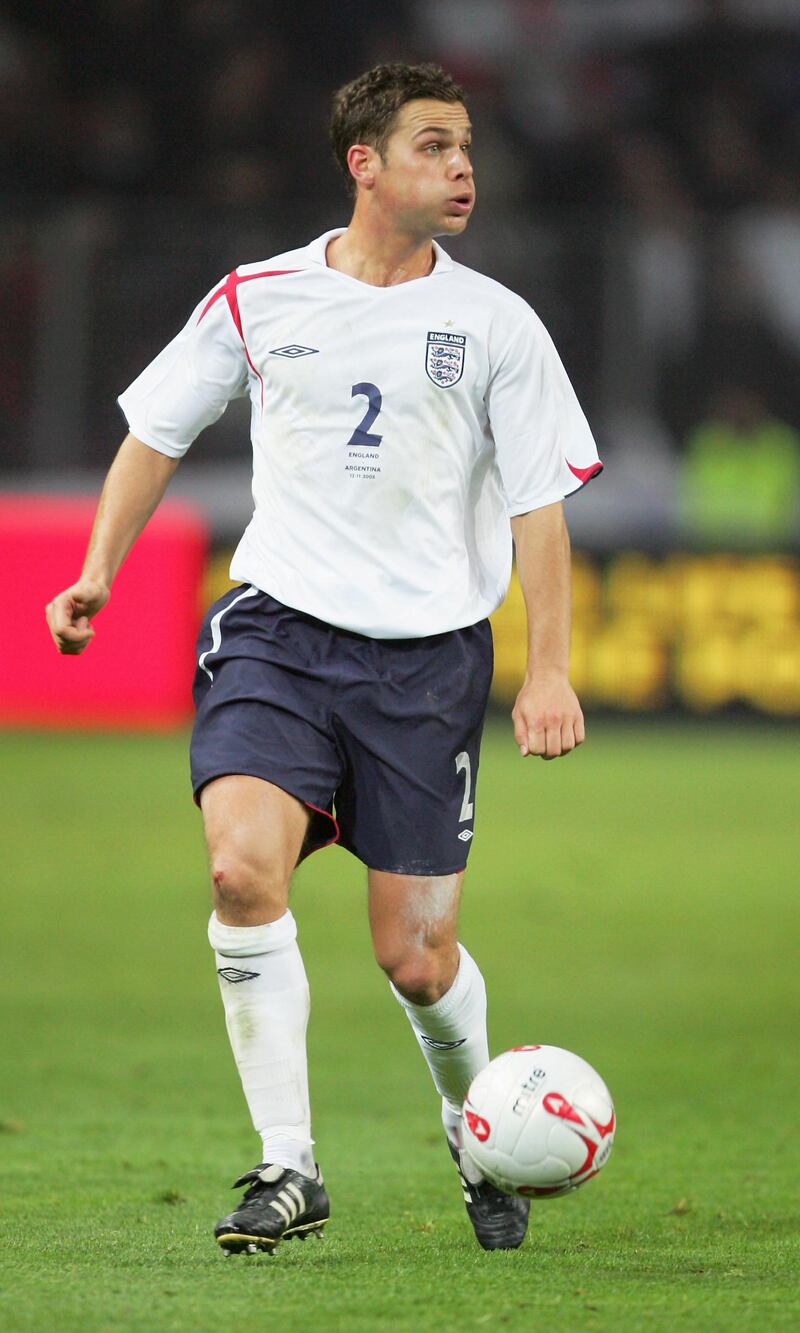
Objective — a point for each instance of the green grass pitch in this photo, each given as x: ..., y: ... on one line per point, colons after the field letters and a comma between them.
x: 635, y: 903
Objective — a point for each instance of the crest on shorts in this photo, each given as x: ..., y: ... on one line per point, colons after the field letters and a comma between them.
x: 444, y: 358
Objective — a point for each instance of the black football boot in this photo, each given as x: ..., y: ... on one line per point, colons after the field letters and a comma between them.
x: 278, y: 1205
x: 499, y: 1220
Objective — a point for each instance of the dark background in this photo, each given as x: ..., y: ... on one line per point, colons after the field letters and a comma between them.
x: 636, y: 163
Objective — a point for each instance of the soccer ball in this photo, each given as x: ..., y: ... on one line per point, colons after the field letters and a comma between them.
x: 538, y: 1121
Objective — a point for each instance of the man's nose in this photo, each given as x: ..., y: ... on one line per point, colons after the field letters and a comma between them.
x: 460, y: 164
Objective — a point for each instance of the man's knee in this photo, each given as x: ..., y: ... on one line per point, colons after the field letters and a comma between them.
x: 247, y: 888
x: 422, y: 976
x: 254, y: 833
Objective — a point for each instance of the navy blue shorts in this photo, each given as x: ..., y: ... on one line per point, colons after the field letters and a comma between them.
x: 378, y: 737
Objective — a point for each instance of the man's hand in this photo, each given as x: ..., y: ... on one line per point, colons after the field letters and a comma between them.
x: 69, y: 614
x: 547, y: 717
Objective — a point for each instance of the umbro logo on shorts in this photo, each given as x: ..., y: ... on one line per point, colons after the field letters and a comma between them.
x: 293, y: 350
x: 235, y: 974
x: 465, y: 835
x: 442, y: 1045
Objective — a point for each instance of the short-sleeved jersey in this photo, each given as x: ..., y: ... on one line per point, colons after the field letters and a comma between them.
x: 395, y: 430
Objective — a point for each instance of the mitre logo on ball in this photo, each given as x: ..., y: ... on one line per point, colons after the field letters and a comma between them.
x: 538, y: 1121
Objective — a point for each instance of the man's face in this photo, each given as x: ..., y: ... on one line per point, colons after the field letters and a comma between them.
x: 425, y: 180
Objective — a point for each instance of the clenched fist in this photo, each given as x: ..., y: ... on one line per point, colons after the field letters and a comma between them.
x: 547, y: 717
x: 69, y: 614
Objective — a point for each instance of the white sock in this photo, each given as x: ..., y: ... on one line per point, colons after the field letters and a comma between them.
x: 456, y: 1025
x: 265, y: 995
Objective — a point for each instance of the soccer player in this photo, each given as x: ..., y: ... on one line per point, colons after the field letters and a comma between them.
x: 408, y: 416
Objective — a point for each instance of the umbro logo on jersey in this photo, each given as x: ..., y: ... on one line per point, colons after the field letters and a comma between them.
x: 442, y: 1045
x: 465, y: 835
x: 235, y: 974
x: 444, y: 358
x: 293, y: 350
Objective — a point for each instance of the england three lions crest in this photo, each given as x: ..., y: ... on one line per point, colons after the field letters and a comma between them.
x: 444, y: 358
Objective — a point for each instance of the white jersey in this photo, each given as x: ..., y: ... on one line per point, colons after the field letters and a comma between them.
x: 395, y: 430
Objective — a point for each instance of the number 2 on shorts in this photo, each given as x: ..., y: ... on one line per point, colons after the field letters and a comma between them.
x: 464, y: 766
x: 361, y: 435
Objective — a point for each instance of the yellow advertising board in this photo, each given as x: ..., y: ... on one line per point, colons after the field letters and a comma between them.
x: 702, y: 632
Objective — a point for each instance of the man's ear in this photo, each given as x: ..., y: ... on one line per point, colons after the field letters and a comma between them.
x: 362, y: 162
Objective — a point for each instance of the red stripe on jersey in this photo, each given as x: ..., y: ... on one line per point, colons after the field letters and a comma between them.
x: 230, y: 290
x: 585, y: 474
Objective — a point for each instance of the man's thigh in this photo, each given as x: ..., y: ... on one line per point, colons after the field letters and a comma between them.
x: 262, y: 693
x: 411, y: 738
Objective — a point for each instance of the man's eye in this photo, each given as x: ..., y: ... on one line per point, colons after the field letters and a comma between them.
x: 432, y: 147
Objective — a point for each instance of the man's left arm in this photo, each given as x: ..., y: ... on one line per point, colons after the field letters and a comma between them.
x: 547, y: 716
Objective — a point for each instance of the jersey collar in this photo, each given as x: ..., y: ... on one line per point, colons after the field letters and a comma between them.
x: 317, y: 250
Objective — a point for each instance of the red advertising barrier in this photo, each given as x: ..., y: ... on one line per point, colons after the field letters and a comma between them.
x: 137, y: 671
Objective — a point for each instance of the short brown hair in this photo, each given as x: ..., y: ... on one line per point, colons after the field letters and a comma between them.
x: 364, y: 111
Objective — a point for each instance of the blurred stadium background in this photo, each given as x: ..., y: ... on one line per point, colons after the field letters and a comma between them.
x: 636, y: 163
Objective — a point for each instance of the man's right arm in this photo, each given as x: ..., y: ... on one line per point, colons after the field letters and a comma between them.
x: 136, y: 481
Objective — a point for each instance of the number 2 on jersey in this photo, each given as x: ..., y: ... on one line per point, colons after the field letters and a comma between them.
x: 361, y: 435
